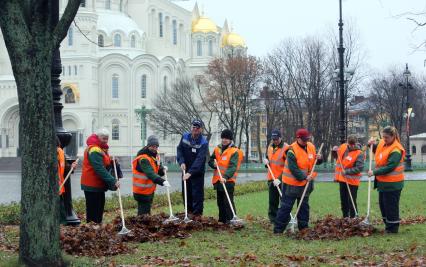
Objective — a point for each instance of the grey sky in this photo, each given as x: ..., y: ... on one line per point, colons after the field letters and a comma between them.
x: 388, y: 40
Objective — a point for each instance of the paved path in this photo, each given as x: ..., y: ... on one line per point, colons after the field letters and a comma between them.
x: 11, y: 183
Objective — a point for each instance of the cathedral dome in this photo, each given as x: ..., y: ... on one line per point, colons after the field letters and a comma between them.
x: 204, y: 24
x: 233, y: 39
x: 110, y: 21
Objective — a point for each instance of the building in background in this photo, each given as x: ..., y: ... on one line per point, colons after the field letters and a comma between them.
x: 118, y: 55
x: 418, y: 148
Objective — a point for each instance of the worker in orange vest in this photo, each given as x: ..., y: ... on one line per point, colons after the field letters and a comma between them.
x: 300, y: 160
x: 389, y: 176
x: 96, y: 175
x: 228, y: 158
x: 147, y: 171
x: 275, y: 158
x: 350, y: 155
x: 60, y: 155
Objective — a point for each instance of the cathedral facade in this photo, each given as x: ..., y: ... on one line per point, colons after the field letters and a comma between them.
x: 118, y: 55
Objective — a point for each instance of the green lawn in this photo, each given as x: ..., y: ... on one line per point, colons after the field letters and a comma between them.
x: 255, y: 244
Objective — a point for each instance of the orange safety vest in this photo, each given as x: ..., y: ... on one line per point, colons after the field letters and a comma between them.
x: 142, y: 185
x: 89, y: 177
x: 348, y: 159
x: 305, y: 162
x: 382, y: 154
x: 276, y: 159
x: 61, y: 168
x: 223, y: 162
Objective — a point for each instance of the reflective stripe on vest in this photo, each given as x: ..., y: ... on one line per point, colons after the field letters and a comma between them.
x: 382, y: 155
x: 142, y: 185
x: 89, y: 177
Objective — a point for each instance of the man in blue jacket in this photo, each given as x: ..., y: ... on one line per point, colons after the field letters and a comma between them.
x: 191, y: 156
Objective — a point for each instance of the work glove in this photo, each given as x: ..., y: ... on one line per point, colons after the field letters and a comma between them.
x: 165, y: 168
x: 276, y: 182
x: 265, y: 161
x: 166, y: 184
x: 186, y: 176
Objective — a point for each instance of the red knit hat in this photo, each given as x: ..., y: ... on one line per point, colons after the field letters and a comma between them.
x: 303, y: 134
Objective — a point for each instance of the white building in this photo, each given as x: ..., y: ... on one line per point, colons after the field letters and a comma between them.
x: 118, y: 55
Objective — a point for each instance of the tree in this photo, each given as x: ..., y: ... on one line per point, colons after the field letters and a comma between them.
x: 179, y: 106
x: 31, y: 37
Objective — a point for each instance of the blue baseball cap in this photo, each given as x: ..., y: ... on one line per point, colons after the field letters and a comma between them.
x: 276, y: 134
x: 197, y: 123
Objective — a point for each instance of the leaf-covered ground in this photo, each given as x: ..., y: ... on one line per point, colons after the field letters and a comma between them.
x: 256, y: 245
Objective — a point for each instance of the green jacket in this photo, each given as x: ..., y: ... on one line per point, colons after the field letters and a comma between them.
x: 96, y: 159
x: 145, y: 167
x: 393, y: 162
x: 232, y: 168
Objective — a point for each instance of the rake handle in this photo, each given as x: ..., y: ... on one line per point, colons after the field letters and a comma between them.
x: 119, y: 194
x: 307, y: 184
x: 185, y: 196
x: 168, y: 196
x: 369, y: 182
x: 224, y: 188
x: 273, y: 177
x: 347, y: 186
x: 68, y: 176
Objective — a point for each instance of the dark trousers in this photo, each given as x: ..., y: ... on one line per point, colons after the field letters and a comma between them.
x: 345, y: 199
x: 389, y: 207
x: 195, y: 194
x: 95, y: 203
x: 145, y: 204
x: 225, y: 212
x: 274, y: 201
x: 283, y: 215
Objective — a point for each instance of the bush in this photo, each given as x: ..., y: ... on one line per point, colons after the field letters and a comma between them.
x: 10, y: 213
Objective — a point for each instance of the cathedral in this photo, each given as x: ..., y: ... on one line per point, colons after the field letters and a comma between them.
x: 118, y: 55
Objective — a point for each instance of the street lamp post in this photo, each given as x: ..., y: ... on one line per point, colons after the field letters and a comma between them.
x: 409, y: 114
x: 63, y: 135
x: 341, y: 51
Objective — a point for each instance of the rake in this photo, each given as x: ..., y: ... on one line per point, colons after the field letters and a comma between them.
x: 235, y: 220
x: 366, y: 221
x: 124, y: 230
x: 347, y: 186
x: 186, y: 219
x: 171, y: 218
x: 67, y: 177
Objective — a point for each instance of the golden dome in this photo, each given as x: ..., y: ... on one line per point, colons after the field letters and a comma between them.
x: 204, y: 24
x: 233, y: 39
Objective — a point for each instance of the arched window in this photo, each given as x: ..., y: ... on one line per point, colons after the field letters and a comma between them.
x: 107, y: 4
x: 160, y: 23
x: 423, y: 149
x: 83, y: 3
x: 143, y: 86
x: 121, y: 6
x: 100, y: 40
x: 115, y: 129
x: 165, y: 80
x: 413, y: 150
x: 210, y: 47
x: 70, y: 36
x: 117, y: 40
x: 174, y: 25
x: 75, y: 70
x: 114, y: 86
x: 69, y: 70
x: 69, y: 95
x: 199, y: 48
x: 133, y: 41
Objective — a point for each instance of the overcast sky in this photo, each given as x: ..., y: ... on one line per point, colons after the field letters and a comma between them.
x: 388, y: 40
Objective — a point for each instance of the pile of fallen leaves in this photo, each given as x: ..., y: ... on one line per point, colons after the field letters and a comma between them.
x: 103, y: 240
x: 5, y: 243
x: 336, y: 229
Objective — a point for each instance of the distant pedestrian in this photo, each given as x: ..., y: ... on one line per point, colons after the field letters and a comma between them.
x: 147, y: 173
x: 191, y: 157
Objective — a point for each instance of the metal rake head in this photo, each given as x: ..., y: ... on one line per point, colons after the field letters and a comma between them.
x: 187, y: 220
x: 172, y: 218
x: 236, y: 221
x: 124, y: 231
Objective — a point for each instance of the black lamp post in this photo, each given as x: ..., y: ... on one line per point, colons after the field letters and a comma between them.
x: 341, y: 51
x: 407, y: 86
x: 63, y: 135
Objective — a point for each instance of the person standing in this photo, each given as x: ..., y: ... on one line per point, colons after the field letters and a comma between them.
x: 228, y: 158
x: 147, y: 171
x: 349, y: 165
x: 191, y: 157
x: 300, y: 161
x: 389, y: 176
x: 95, y: 176
x: 275, y: 157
